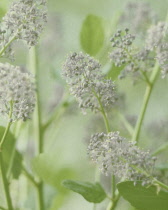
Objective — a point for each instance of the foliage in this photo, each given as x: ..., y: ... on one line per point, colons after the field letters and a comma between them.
x: 117, y: 57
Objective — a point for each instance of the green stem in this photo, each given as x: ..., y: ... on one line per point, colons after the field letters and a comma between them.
x: 5, y: 183
x: 3, y: 170
x: 59, y: 110
x: 38, y: 123
x: 113, y: 186
x: 145, y: 102
x: 112, y: 205
x: 7, y: 45
x: 103, y: 114
x: 8, y: 126
x: 160, y: 184
x: 115, y: 201
x: 160, y: 149
x: 127, y: 125
x: 4, y: 135
x: 29, y: 176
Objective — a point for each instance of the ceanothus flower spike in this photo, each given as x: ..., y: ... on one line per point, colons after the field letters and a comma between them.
x: 17, y: 89
x: 115, y: 155
x: 87, y: 83
x: 25, y: 20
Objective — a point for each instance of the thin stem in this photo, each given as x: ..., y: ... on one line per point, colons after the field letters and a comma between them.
x: 4, y: 135
x: 160, y: 184
x: 5, y: 183
x: 7, y: 45
x: 3, y: 170
x: 160, y: 149
x: 127, y: 125
x: 58, y: 111
x: 103, y: 113
x: 114, y: 197
x: 8, y: 126
x: 38, y: 124
x: 29, y: 176
x: 112, y: 205
x: 145, y: 103
x: 113, y: 186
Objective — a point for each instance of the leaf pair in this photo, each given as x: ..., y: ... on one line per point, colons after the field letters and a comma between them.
x: 142, y: 198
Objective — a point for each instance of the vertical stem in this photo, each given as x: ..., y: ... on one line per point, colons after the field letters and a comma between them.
x: 5, y: 183
x: 2, y: 167
x: 146, y: 98
x: 4, y: 135
x: 38, y: 123
x: 114, y: 186
x: 113, y: 204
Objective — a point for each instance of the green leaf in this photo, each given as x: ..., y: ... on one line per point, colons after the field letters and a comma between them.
x: 92, y: 35
x: 9, y: 151
x: 143, y: 198
x: 91, y: 192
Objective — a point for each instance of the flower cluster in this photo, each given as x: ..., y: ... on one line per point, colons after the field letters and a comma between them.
x: 17, y: 92
x: 133, y: 60
x: 115, y: 155
x: 139, y: 15
x: 87, y: 84
x: 155, y: 36
x: 122, y: 43
x: 123, y: 53
x: 156, y: 42
x: 162, y: 57
x: 25, y: 20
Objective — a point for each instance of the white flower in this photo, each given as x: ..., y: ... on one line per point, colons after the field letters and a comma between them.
x: 17, y: 91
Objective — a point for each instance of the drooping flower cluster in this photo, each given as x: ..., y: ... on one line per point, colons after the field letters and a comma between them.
x: 25, y: 20
x: 139, y: 15
x: 17, y: 92
x: 87, y: 84
x: 115, y: 155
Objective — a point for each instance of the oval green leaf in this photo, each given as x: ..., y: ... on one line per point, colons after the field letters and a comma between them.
x: 143, y: 198
x: 92, y: 35
x: 93, y: 193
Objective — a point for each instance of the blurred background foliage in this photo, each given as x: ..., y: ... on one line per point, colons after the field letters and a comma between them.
x: 65, y: 155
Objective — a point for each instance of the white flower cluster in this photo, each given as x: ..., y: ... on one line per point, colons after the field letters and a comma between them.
x: 17, y: 92
x: 115, y: 155
x: 155, y: 35
x: 25, y: 20
x: 87, y: 84
x: 125, y: 55
x: 157, y: 43
x: 162, y: 57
